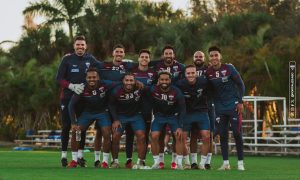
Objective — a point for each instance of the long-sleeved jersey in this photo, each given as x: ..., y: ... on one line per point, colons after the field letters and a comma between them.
x: 92, y: 100
x: 168, y: 103
x: 72, y: 69
x: 195, y: 94
x: 124, y: 103
x: 227, y: 87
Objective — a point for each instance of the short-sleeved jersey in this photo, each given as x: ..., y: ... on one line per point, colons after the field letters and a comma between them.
x: 227, y: 87
x: 195, y: 94
x: 146, y: 77
x: 177, y: 69
x: 109, y: 71
x: 124, y: 103
x: 93, y: 100
x: 168, y: 103
x: 72, y: 69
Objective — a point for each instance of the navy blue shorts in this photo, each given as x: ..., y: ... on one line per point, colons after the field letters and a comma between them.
x: 87, y: 118
x: 160, y: 121
x: 136, y: 122
x: 226, y: 118
x: 200, y: 119
x: 212, y: 117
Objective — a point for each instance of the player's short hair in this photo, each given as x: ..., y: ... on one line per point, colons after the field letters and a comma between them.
x: 168, y: 47
x: 164, y: 72
x: 144, y: 51
x: 214, y: 48
x: 118, y: 46
x: 92, y: 69
x: 80, y: 38
x: 190, y: 66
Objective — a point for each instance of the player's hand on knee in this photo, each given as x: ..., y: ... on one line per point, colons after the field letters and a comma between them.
x: 116, y: 125
x: 179, y: 133
x: 77, y: 88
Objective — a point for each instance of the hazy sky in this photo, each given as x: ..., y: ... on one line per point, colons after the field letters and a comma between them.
x: 12, y: 18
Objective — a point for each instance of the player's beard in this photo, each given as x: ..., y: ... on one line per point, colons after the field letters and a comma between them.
x: 169, y: 60
x: 80, y: 51
x: 128, y: 87
x: 164, y: 86
x: 198, y: 62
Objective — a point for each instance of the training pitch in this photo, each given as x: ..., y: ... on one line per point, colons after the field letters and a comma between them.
x: 46, y: 165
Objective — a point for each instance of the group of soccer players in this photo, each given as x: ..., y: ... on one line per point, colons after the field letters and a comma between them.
x: 143, y: 98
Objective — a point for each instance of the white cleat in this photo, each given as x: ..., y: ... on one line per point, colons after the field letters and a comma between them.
x: 138, y: 166
x: 224, y: 167
x: 201, y: 167
x: 241, y: 167
x: 155, y: 166
x: 179, y: 167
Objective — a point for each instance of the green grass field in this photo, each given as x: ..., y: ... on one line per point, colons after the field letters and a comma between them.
x: 46, y: 165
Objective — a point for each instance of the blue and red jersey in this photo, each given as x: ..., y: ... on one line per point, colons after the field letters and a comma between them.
x: 195, y: 94
x: 168, y: 103
x: 201, y: 70
x: 109, y: 71
x: 92, y: 100
x: 125, y: 103
x: 146, y: 77
x: 176, y: 69
x: 227, y: 87
x: 72, y: 69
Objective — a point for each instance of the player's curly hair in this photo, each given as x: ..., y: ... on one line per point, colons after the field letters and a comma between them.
x: 214, y: 48
x: 164, y: 72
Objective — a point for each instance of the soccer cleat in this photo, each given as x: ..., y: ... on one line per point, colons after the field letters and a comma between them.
x: 156, y: 166
x: 179, y: 167
x: 224, y: 167
x: 186, y: 166
x: 207, y: 166
x: 128, y: 164
x: 241, y: 167
x: 173, y: 165
x: 81, y: 162
x: 104, y: 165
x: 73, y: 164
x: 97, y: 164
x: 114, y: 165
x: 194, y: 166
x: 161, y: 165
x: 201, y: 167
x: 64, y: 162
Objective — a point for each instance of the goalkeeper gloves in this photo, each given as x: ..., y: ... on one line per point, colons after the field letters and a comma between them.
x: 77, y: 88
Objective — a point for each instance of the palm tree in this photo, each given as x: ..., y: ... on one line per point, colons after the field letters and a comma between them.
x: 57, y: 12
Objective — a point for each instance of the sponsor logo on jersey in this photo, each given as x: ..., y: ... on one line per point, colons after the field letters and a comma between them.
x: 75, y: 70
x: 171, y: 97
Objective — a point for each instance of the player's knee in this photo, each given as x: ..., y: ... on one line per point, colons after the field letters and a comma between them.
x: 155, y: 137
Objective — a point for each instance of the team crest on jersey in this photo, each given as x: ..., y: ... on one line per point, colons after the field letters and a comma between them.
x: 62, y: 107
x: 175, y: 68
x: 87, y: 64
x: 150, y: 75
x: 171, y: 97
x: 136, y: 92
x: 101, y: 89
x: 224, y: 72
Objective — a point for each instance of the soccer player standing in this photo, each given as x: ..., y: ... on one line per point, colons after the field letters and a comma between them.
x: 71, y: 76
x: 169, y: 108
x: 146, y: 75
x: 228, y: 90
x: 199, y: 62
x: 114, y: 71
